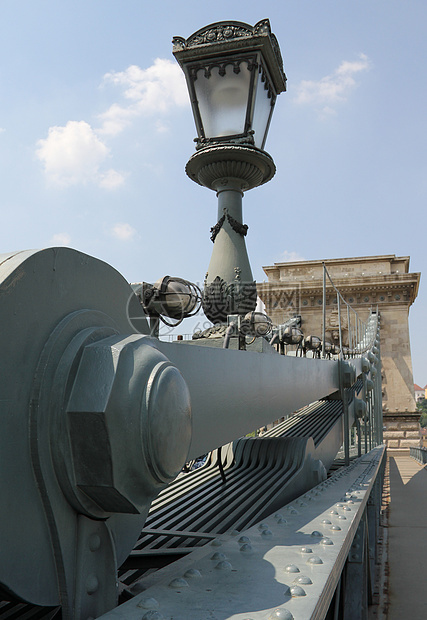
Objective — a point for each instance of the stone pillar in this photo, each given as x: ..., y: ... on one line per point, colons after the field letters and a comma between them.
x: 366, y: 283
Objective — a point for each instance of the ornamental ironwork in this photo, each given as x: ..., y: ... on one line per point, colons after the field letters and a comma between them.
x: 238, y: 227
x: 220, y: 299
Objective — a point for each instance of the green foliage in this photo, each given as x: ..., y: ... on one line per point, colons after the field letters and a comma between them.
x: 422, y: 408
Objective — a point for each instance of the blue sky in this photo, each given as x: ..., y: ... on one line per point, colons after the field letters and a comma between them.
x: 95, y: 131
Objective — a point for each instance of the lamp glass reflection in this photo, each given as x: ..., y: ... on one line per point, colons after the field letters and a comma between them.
x: 262, y: 112
x: 223, y: 100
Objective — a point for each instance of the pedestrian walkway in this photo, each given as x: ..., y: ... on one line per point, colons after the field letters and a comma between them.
x: 407, y: 539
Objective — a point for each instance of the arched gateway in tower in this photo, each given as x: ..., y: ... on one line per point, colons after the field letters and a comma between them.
x: 296, y: 288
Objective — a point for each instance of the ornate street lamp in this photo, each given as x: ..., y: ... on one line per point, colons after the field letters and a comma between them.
x: 234, y: 73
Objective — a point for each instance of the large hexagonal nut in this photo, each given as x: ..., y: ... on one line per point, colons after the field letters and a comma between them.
x: 129, y: 425
x: 359, y: 408
x: 369, y: 385
x: 372, y: 358
x: 366, y: 365
x: 347, y: 374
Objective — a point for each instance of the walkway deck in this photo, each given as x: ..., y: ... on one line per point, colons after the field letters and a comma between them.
x: 407, y: 539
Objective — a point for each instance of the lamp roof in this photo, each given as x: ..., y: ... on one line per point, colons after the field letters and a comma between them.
x: 230, y: 37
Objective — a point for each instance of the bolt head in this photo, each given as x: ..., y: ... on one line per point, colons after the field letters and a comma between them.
x: 129, y: 421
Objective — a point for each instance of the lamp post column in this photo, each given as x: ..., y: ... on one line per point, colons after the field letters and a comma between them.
x: 229, y: 170
x: 229, y: 260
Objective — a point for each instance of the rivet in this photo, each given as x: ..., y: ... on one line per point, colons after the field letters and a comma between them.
x: 218, y: 556
x: 303, y: 579
x: 291, y: 568
x: 178, y: 583
x: 246, y: 548
x: 263, y: 526
x: 296, y: 591
x: 224, y: 565
x: 336, y: 528
x: 137, y: 588
x: 333, y: 512
x: 234, y: 532
x: 347, y: 508
x: 326, y: 522
x: 192, y: 573
x: 216, y: 542
x: 315, y: 559
x: 282, y: 521
x: 306, y: 550
x: 326, y: 541
x: 94, y: 542
x: 316, y: 534
x: 266, y: 533
x: 278, y: 516
x: 281, y: 614
x: 153, y: 615
x: 92, y: 584
x: 243, y: 540
x: 342, y: 517
x: 148, y: 603
x: 338, y: 505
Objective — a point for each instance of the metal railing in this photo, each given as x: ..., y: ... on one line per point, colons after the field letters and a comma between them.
x: 360, y: 333
x: 419, y: 454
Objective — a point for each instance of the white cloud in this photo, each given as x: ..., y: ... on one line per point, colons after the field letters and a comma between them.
x: 60, y: 239
x: 333, y: 88
x: 77, y: 154
x: 74, y: 154
x: 123, y: 231
x: 152, y: 91
x: 111, y: 179
x: 289, y: 257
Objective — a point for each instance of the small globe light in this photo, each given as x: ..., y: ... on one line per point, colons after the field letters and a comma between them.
x: 259, y: 323
x: 172, y: 297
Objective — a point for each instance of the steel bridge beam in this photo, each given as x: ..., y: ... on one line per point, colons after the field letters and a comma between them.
x: 287, y: 567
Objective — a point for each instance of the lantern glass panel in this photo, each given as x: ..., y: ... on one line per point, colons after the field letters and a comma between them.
x: 223, y: 100
x: 262, y: 112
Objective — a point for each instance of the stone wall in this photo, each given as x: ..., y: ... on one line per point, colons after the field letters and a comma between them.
x: 402, y: 431
x: 367, y: 283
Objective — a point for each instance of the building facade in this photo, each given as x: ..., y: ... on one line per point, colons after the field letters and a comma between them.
x: 366, y: 283
x: 419, y: 392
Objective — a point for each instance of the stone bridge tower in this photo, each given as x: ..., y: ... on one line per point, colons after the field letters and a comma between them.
x: 367, y: 282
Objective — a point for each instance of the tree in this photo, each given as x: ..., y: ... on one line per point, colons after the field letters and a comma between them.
x: 422, y: 408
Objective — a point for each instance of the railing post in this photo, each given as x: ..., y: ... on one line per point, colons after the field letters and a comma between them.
x: 349, y: 328
x: 359, y: 438
x: 347, y: 379
x: 357, y: 592
x: 324, y: 311
x: 339, y: 323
